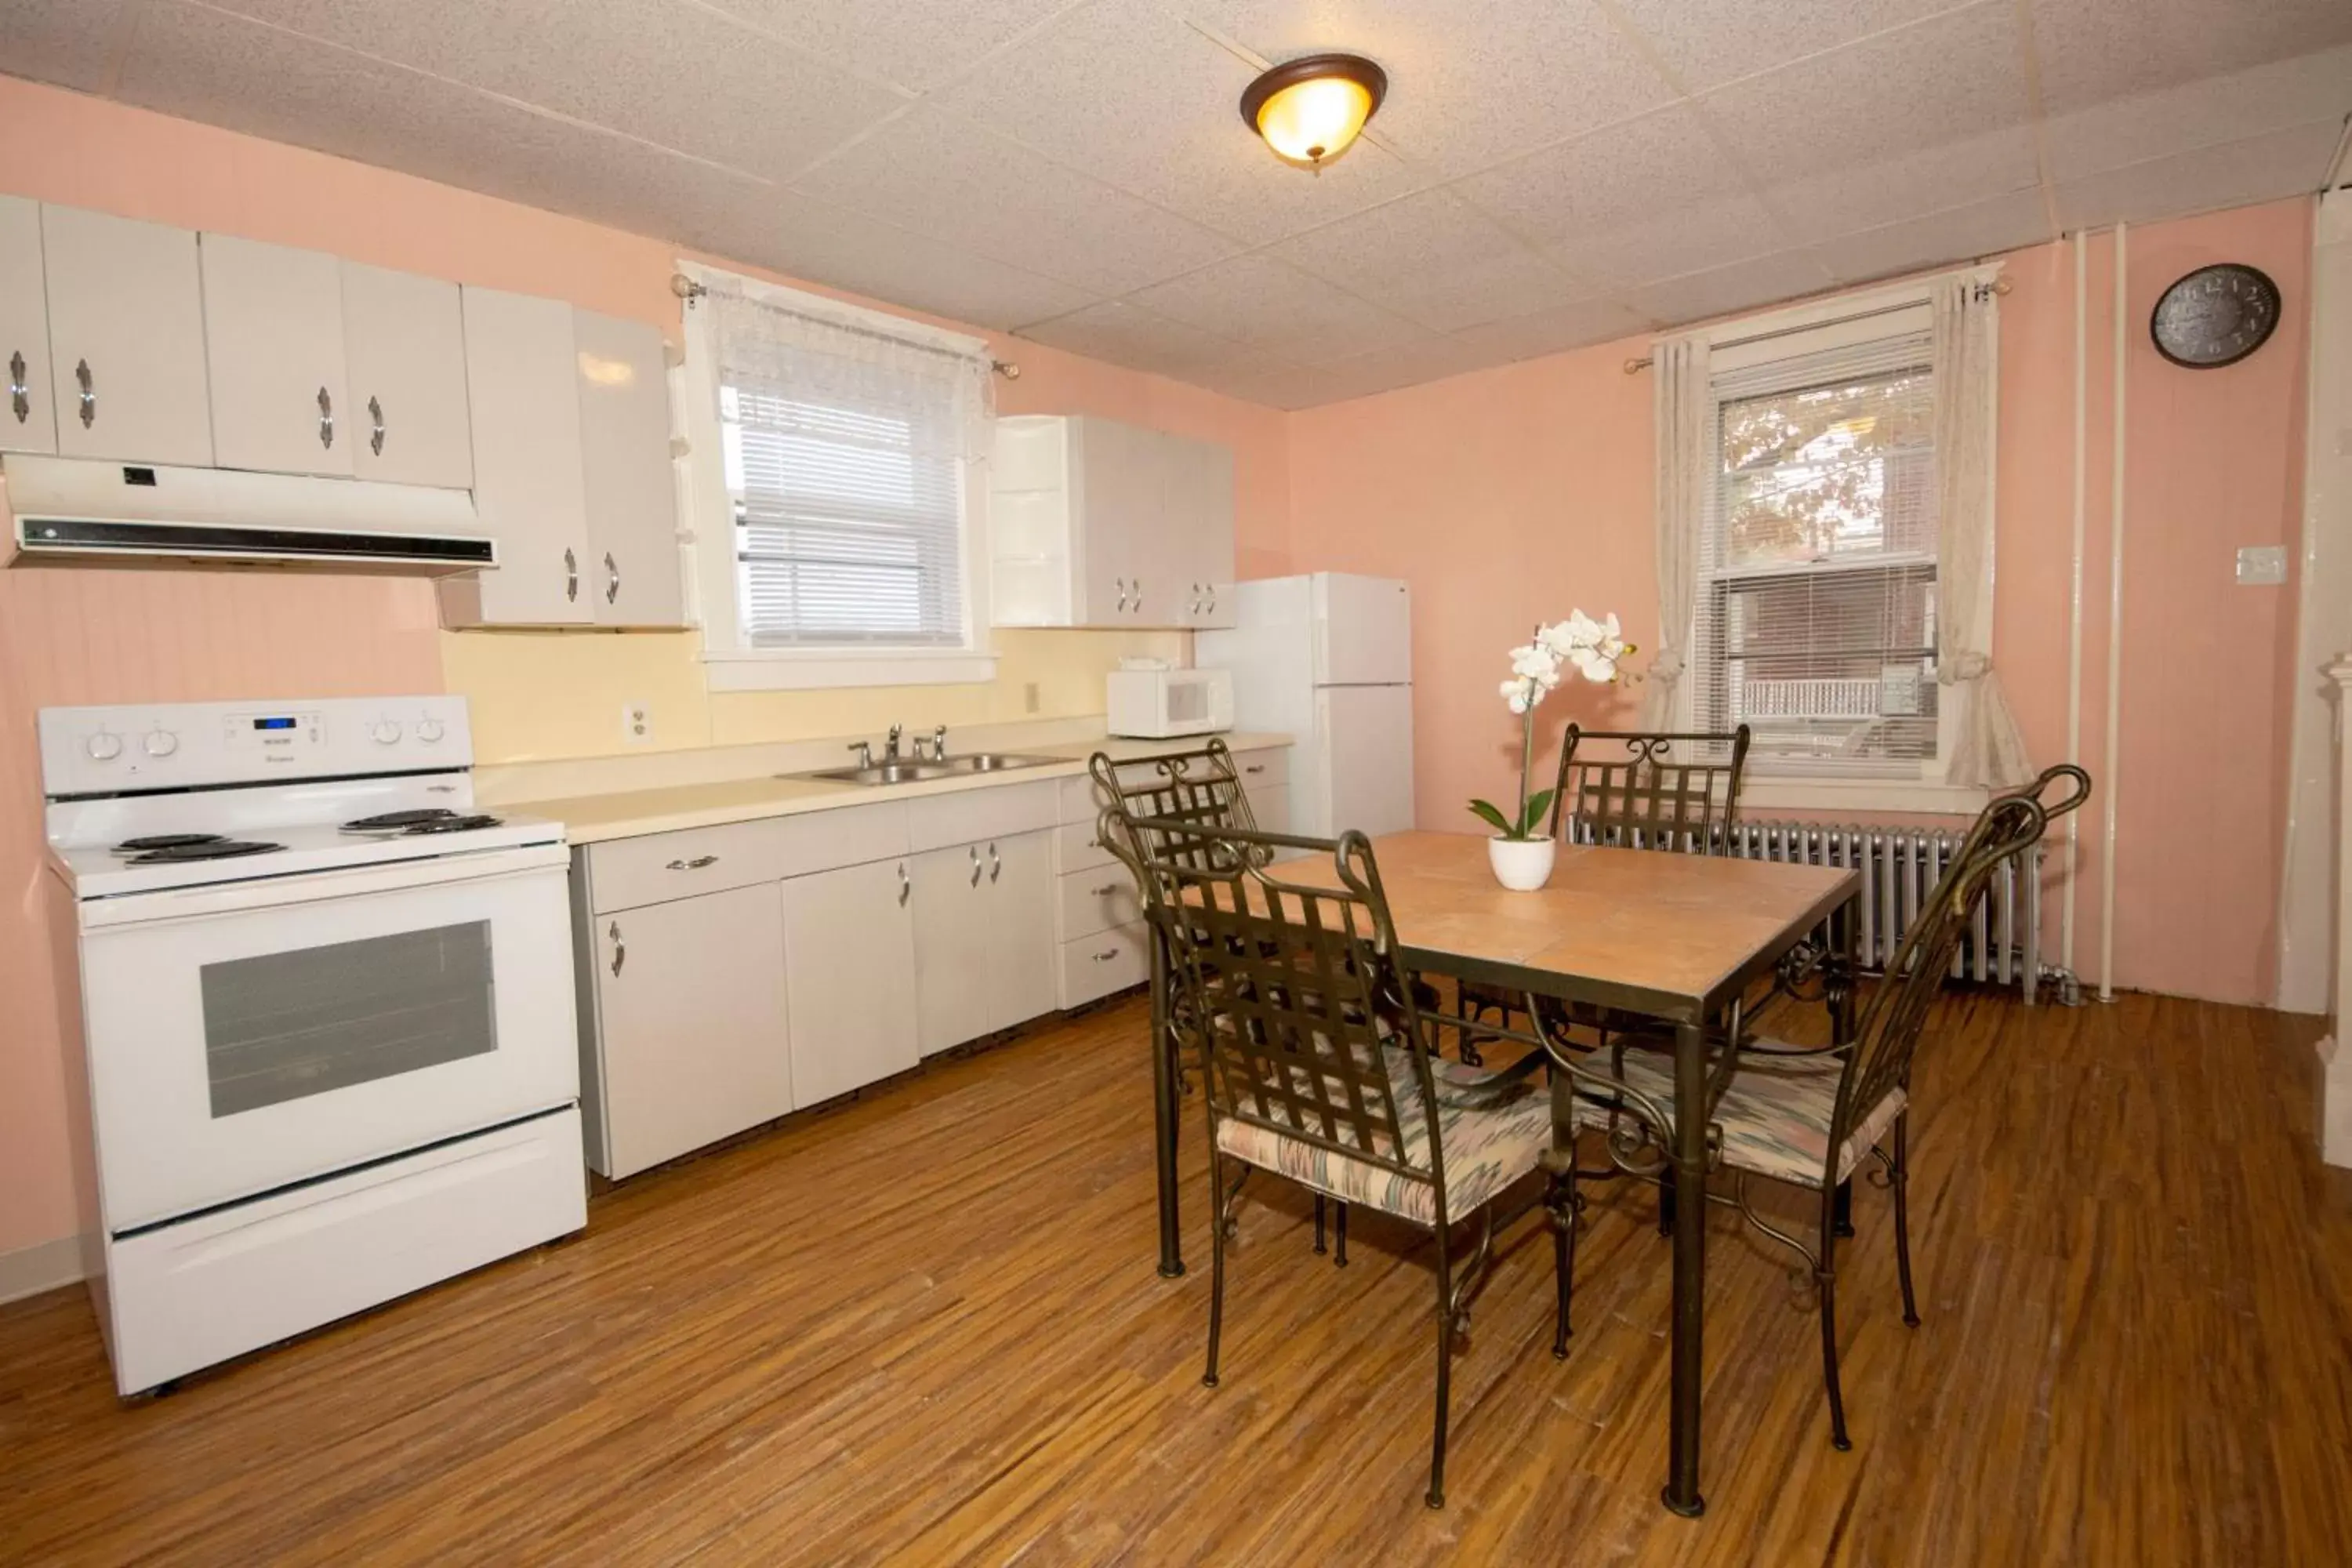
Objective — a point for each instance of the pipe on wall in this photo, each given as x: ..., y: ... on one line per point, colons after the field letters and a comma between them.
x: 2114, y: 636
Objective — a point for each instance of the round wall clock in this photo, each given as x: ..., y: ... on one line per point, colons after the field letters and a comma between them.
x: 2215, y: 316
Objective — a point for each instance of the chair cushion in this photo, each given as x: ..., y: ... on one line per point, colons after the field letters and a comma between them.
x: 1775, y: 1112
x: 1487, y: 1147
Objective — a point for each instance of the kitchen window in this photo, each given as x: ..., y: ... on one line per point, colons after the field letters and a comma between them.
x: 1826, y: 610
x: 837, y: 497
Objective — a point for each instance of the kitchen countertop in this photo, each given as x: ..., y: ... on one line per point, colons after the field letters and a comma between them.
x: 631, y: 814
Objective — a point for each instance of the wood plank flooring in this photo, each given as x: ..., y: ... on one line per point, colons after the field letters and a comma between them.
x: 926, y: 1328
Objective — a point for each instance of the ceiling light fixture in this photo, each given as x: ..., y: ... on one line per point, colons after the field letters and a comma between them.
x: 1309, y: 111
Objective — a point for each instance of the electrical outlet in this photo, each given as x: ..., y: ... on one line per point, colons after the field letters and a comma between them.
x: 637, y: 724
x: 2262, y: 565
x: 1029, y: 698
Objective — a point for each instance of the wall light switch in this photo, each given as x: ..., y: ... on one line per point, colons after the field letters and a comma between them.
x: 2262, y: 565
x: 637, y: 724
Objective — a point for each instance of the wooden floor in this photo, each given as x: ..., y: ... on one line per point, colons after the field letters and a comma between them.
x: 926, y: 1328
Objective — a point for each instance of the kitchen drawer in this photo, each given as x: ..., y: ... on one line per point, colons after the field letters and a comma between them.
x: 813, y: 841
x: 968, y: 816
x: 1096, y: 901
x: 1094, y: 966
x: 625, y: 873
x: 1263, y: 768
x: 1075, y: 848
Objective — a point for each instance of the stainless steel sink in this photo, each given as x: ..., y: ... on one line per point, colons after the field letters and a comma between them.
x: 900, y: 773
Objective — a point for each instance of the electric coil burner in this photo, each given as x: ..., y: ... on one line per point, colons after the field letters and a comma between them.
x: 410, y: 824
x: 199, y: 846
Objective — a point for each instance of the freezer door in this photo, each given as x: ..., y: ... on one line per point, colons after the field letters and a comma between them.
x: 1363, y: 631
x: 1367, y: 751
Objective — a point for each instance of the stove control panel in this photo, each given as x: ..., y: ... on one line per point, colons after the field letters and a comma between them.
x: 110, y: 750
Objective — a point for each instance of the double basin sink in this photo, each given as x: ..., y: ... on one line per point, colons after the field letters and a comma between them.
x: 914, y: 772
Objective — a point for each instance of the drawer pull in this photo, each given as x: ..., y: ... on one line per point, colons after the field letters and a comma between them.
x: 1255, y: 768
x: 1106, y: 890
x: 697, y: 864
x: 1105, y: 955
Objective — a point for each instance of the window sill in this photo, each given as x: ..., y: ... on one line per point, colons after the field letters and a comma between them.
x: 825, y: 671
x: 1912, y: 796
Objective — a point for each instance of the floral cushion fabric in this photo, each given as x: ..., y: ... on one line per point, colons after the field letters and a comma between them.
x: 1776, y: 1113
x: 1488, y: 1144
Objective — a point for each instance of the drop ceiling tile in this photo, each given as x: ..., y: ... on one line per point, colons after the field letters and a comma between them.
x: 1707, y: 43
x: 1127, y: 92
x: 1470, y: 81
x: 72, y: 45
x: 1433, y: 259
x: 202, y: 64
x: 2204, y: 114
x: 1728, y: 290
x: 673, y: 74
x: 1260, y: 302
x: 1943, y: 81
x: 2259, y: 169
x: 2092, y: 50
x: 1130, y: 335
x: 1910, y: 185
x: 918, y: 44
x: 1619, y: 201
x: 1556, y: 330
x: 1408, y: 363
x: 928, y: 172
x: 822, y: 244
x: 1980, y: 228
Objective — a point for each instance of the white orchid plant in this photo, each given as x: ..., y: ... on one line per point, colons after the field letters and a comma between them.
x: 1596, y: 650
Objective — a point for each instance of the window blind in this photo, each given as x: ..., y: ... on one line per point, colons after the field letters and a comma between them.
x: 845, y: 452
x: 1816, y: 566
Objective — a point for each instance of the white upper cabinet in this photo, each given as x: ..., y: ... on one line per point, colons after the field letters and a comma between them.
x: 1096, y: 523
x: 126, y: 338
x: 529, y: 483
x: 631, y: 503
x: 405, y: 360
x: 28, y: 416
x: 274, y: 347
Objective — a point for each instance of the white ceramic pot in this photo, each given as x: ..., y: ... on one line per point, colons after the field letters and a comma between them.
x: 1522, y: 865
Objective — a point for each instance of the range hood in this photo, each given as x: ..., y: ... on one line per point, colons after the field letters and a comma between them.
x: 78, y: 510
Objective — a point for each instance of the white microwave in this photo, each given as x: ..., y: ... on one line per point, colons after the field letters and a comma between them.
x: 1160, y: 704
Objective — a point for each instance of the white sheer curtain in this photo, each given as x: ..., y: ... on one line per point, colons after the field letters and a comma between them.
x: 1986, y: 750
x: 1680, y: 372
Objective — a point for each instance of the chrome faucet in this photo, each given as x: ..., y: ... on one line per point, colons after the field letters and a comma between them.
x: 864, y: 750
x: 938, y: 744
x: 890, y: 750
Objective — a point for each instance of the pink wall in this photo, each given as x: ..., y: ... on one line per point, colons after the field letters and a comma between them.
x: 1509, y: 495
x: 87, y: 636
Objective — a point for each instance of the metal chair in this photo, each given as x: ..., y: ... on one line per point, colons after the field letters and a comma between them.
x: 1655, y: 796
x: 1810, y: 1117
x: 1318, y: 1065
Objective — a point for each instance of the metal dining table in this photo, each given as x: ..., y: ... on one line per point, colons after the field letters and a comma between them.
x: 1679, y: 937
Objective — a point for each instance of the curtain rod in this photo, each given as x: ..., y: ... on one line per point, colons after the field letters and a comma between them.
x: 1999, y: 286
x: 688, y: 289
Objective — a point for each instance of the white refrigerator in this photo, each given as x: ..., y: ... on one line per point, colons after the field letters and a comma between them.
x: 1327, y: 658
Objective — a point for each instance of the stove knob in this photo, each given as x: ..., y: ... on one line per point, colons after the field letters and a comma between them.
x: 428, y: 730
x: 104, y: 746
x: 162, y: 742
x: 385, y: 730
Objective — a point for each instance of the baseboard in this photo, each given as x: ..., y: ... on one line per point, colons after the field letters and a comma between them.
x: 45, y: 1265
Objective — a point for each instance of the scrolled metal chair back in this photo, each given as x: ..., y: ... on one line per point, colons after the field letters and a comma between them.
x: 1668, y: 791
x: 1293, y: 991
x: 1199, y: 787
x: 1888, y: 1036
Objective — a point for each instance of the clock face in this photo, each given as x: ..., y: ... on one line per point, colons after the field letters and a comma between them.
x: 2215, y: 316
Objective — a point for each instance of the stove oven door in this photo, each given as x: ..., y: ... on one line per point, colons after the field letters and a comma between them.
x: 245, y: 1037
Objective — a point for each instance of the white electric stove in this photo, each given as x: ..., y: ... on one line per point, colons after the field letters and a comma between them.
x: 326, y: 1010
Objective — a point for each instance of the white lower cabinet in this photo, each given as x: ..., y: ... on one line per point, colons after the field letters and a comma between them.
x: 983, y: 938
x: 691, y: 1010
x: 849, y: 975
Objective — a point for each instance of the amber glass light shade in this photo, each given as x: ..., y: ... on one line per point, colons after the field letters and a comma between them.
x: 1309, y: 111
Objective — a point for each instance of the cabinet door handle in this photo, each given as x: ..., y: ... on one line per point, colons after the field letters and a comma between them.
x: 697, y: 864
x: 620, y: 948
x: 995, y: 865
x: 326, y: 419
x: 905, y: 887
x: 1213, y: 599
x: 376, y: 419
x: 20, y: 393
x: 975, y: 865
x: 611, y: 578
x: 1122, y: 594
x: 89, y: 394
x: 1138, y: 596
x: 570, y: 574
